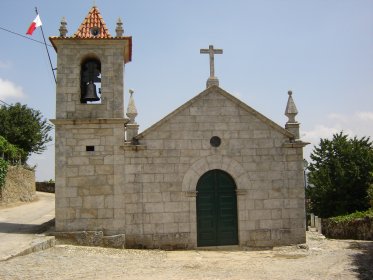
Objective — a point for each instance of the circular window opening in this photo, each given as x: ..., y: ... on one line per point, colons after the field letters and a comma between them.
x: 95, y: 31
x: 215, y: 141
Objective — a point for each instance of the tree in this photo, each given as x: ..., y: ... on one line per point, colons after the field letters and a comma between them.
x: 25, y: 128
x: 341, y: 172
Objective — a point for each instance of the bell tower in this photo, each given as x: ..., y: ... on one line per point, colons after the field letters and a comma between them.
x: 90, y: 69
x: 89, y: 122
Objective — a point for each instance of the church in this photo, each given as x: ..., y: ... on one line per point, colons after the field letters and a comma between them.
x: 213, y: 172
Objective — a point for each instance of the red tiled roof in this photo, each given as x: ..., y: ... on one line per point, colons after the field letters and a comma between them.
x: 93, y: 19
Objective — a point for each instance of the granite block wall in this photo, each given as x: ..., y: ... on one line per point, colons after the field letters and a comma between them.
x: 19, y: 185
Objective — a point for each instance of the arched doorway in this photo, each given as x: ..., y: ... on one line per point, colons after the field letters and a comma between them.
x: 216, y: 209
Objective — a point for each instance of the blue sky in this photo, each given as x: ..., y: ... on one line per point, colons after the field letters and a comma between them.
x: 322, y: 50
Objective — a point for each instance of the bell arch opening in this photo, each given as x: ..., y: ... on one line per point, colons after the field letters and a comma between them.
x: 90, y: 85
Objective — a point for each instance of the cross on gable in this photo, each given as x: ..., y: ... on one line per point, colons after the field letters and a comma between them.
x: 212, y: 80
x: 211, y: 51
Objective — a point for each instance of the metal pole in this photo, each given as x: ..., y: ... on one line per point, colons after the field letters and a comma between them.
x: 305, y: 166
x: 45, y: 44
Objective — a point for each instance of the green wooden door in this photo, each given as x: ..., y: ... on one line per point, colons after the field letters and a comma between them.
x: 216, y: 209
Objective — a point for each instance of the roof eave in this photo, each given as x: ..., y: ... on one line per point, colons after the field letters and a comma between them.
x: 127, y: 54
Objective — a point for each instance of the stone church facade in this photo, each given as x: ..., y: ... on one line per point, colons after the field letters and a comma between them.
x: 213, y: 172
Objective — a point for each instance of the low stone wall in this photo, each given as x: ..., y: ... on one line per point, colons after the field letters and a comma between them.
x: 166, y: 241
x: 45, y: 187
x: 361, y: 229
x: 19, y: 185
x: 92, y: 238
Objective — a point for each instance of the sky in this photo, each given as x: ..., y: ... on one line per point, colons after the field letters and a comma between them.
x: 322, y: 50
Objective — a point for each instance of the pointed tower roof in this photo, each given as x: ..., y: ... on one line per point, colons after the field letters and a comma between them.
x: 93, y: 26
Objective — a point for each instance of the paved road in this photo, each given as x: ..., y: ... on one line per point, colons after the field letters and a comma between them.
x: 20, y: 225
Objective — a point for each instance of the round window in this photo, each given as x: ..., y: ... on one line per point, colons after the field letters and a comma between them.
x: 215, y: 141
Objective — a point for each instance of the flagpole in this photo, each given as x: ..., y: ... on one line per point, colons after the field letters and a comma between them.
x: 45, y: 44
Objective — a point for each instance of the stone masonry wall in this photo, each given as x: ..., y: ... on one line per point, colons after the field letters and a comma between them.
x: 70, y: 56
x: 19, y: 185
x: 85, y: 181
x: 360, y: 229
x: 45, y: 187
x: 148, y: 192
x: 160, y: 197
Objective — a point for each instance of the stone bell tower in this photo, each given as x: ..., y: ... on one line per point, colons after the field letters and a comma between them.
x: 89, y: 122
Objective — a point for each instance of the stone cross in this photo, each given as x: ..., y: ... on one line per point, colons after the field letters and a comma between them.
x: 211, y: 51
x: 212, y: 80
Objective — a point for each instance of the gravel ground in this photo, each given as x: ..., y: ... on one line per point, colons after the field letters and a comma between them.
x: 323, y: 259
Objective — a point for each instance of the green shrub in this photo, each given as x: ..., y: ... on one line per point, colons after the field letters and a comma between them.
x: 353, y: 216
x: 10, y: 152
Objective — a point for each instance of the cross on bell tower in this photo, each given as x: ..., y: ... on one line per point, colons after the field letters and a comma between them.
x: 212, y: 80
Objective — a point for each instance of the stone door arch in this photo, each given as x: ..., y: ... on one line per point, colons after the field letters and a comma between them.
x: 238, y: 173
x: 216, y: 205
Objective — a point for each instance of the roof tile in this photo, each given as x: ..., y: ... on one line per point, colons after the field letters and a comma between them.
x: 93, y: 19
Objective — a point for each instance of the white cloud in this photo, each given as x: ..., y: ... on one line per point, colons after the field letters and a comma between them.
x: 10, y: 91
x: 365, y: 116
x: 356, y: 124
x: 320, y: 131
x: 338, y: 117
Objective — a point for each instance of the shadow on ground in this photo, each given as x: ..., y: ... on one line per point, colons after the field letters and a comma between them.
x: 363, y: 260
x: 24, y: 228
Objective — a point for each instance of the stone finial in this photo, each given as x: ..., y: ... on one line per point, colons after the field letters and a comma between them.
x: 132, y: 128
x: 291, y: 110
x: 63, y: 29
x: 212, y: 81
x: 119, y: 30
x: 131, y: 109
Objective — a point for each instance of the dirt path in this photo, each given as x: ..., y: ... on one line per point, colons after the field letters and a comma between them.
x: 325, y: 259
x: 19, y: 222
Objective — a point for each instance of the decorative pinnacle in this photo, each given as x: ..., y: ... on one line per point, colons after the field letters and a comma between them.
x: 119, y: 30
x: 291, y: 110
x: 63, y: 29
x: 131, y: 109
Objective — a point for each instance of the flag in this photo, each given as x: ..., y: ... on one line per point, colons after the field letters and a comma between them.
x: 36, y: 23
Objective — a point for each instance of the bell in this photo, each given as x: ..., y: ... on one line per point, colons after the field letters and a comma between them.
x: 90, y: 93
